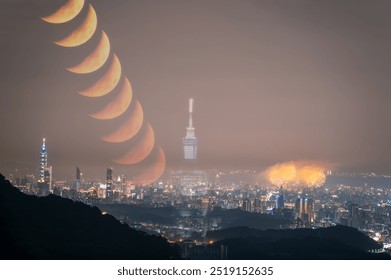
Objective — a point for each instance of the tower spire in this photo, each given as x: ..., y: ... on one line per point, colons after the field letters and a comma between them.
x: 191, y: 113
x: 190, y: 141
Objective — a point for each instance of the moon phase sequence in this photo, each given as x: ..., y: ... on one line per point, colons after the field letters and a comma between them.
x: 83, y: 33
x: 96, y: 59
x: 153, y: 172
x: 66, y: 13
x: 107, y: 83
x: 141, y: 150
x: 119, y: 105
x: 129, y: 129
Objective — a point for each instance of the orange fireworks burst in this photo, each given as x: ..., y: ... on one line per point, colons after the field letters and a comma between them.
x: 296, y: 174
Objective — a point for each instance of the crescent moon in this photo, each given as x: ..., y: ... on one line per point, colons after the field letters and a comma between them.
x: 83, y: 33
x: 154, y: 172
x: 107, y: 82
x: 66, y: 13
x: 129, y: 129
x: 118, y: 106
x: 96, y: 59
x: 139, y: 151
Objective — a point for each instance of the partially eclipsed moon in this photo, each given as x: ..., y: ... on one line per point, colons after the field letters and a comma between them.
x: 107, y: 82
x: 66, y: 13
x: 154, y: 172
x: 96, y: 59
x: 118, y: 106
x: 129, y: 129
x: 140, y: 150
x: 83, y: 33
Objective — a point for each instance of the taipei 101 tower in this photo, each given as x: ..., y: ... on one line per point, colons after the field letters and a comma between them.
x: 190, y: 141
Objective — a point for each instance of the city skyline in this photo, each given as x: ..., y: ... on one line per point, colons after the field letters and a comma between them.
x: 274, y: 82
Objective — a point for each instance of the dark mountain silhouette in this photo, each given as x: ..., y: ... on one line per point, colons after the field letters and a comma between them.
x: 237, y: 217
x: 339, y: 242
x: 56, y: 228
x: 168, y: 215
x: 142, y: 213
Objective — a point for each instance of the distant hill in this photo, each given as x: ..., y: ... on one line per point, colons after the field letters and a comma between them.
x: 339, y: 242
x: 142, y: 213
x: 56, y: 228
x: 237, y: 218
x: 168, y: 215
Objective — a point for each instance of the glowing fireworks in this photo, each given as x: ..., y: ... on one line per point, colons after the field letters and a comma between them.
x: 296, y: 174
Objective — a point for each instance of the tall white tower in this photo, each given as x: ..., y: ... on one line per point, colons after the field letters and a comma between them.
x: 43, y: 161
x: 45, y: 172
x: 190, y: 141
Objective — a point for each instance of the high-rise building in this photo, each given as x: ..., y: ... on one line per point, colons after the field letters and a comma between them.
x: 246, y: 205
x: 310, y: 209
x: 257, y: 205
x: 48, y: 179
x: 78, y: 177
x: 43, y: 161
x: 109, y: 182
x: 45, y: 172
x: 279, y: 201
x: 304, y: 210
x: 118, y: 184
x: 190, y: 141
x: 353, y: 215
x: 78, y: 173
x: 123, y: 183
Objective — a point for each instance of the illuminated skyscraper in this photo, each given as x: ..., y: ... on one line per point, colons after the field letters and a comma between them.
x: 190, y: 141
x: 48, y: 180
x: 43, y: 161
x: 45, y: 172
x: 123, y: 184
x: 109, y: 182
x: 304, y: 210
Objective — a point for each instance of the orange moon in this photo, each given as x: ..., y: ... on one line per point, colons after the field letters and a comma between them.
x: 107, y: 82
x: 96, y: 59
x: 118, y: 106
x: 129, y: 129
x: 83, y: 33
x: 154, y: 172
x: 66, y: 13
x: 140, y: 150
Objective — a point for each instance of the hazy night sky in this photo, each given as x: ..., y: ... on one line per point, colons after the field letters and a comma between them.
x: 272, y: 81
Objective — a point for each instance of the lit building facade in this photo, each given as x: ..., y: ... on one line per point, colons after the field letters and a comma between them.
x: 43, y: 160
x: 109, y: 182
x: 45, y: 172
x: 305, y: 210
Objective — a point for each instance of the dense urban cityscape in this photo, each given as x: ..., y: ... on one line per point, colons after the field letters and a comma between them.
x: 188, y: 203
x: 363, y: 207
